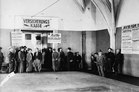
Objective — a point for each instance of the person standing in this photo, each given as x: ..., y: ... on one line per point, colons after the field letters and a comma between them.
x: 48, y: 57
x: 37, y: 60
x: 77, y: 60
x: 1, y: 58
x: 29, y: 59
x: 55, y: 60
x: 62, y: 59
x: 12, y: 59
x: 93, y: 63
x: 43, y: 58
x: 119, y: 60
x: 70, y: 58
x: 100, y: 59
x: 21, y: 57
x: 25, y: 62
x: 110, y: 59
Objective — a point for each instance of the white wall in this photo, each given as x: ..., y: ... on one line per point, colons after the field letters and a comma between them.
x: 71, y: 39
x: 129, y: 13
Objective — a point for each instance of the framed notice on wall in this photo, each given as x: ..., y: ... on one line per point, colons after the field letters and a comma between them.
x: 16, y: 38
x: 54, y: 38
x: 130, y: 39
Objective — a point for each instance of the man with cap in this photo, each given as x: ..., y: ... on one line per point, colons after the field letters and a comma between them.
x: 1, y: 57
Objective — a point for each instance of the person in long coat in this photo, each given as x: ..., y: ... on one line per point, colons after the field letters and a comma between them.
x: 62, y: 59
x: 1, y: 58
x: 55, y: 60
x: 110, y: 59
x: 29, y: 59
x: 119, y: 60
x: 12, y: 60
x: 77, y: 61
x: 70, y: 59
x: 21, y: 59
x: 100, y: 60
x: 48, y: 58
x: 93, y: 63
x: 37, y: 60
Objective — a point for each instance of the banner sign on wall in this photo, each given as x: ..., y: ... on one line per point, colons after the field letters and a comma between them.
x: 17, y: 38
x: 39, y: 23
x: 130, y: 39
x: 54, y: 38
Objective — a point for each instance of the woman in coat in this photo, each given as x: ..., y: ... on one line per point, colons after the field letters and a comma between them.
x: 29, y: 59
x: 37, y: 60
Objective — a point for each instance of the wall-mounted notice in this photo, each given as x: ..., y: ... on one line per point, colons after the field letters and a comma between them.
x: 17, y: 38
x: 130, y: 39
x: 40, y: 23
x: 54, y: 38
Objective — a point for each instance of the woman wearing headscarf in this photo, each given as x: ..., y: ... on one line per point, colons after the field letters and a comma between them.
x: 12, y: 59
x: 29, y: 59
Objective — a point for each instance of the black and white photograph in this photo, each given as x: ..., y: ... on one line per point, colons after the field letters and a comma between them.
x: 69, y: 45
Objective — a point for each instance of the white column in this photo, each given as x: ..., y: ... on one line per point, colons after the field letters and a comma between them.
x: 112, y: 27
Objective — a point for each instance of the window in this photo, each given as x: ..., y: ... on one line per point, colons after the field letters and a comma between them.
x: 28, y: 36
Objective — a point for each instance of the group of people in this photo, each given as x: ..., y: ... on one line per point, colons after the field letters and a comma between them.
x: 24, y: 60
x: 107, y: 63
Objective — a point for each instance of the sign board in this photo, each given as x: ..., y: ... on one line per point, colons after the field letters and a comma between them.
x: 39, y: 23
x: 54, y: 38
x: 130, y: 39
x: 17, y: 38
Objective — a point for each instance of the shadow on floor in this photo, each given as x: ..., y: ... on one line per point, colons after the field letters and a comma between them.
x: 120, y: 77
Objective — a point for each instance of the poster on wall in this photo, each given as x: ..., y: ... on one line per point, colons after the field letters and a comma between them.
x: 130, y: 39
x: 17, y: 38
x: 54, y: 38
x: 39, y: 23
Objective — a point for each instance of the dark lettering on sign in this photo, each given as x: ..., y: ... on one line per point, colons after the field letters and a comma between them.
x: 36, y: 25
x: 131, y: 26
x: 55, y: 35
x: 126, y: 31
x: 36, y: 21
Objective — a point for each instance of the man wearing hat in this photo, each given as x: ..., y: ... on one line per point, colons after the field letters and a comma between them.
x: 1, y: 57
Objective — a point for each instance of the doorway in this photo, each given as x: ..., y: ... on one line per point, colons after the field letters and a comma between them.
x: 35, y: 40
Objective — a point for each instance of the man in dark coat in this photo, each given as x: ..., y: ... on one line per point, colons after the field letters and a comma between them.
x: 21, y: 59
x: 110, y: 59
x: 62, y: 59
x: 1, y: 58
x: 55, y: 60
x: 77, y: 61
x: 70, y: 58
x: 48, y: 59
x: 119, y: 60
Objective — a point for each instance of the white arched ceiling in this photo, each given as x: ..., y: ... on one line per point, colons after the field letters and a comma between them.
x: 71, y: 16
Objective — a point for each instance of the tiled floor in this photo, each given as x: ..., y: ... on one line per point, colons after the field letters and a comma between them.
x: 63, y: 82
